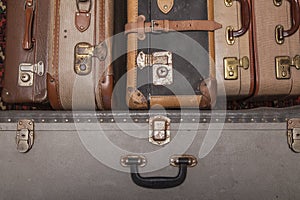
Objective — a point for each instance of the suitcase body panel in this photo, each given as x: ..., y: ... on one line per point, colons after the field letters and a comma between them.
x: 188, y: 83
x: 243, y: 85
x: 67, y: 87
x: 32, y: 87
x: 60, y: 166
x: 266, y: 50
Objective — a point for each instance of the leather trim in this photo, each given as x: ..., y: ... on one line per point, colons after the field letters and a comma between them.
x: 171, y: 102
x: 165, y: 6
x: 208, y: 89
x: 54, y: 99
x: 82, y: 21
x: 106, y: 91
x: 29, y: 16
x: 135, y: 99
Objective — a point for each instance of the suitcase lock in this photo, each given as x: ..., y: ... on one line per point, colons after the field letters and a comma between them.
x: 25, y: 135
x: 27, y: 71
x: 294, y: 134
x: 284, y: 64
x: 162, y: 67
x: 84, y: 52
x: 159, y: 130
x: 232, y: 65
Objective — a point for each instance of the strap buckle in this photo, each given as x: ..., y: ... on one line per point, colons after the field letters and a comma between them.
x: 154, y: 24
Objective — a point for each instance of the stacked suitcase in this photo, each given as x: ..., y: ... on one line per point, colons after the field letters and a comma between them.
x: 145, y: 85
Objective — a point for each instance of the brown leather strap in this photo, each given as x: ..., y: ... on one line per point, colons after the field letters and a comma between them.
x: 29, y: 15
x: 142, y: 27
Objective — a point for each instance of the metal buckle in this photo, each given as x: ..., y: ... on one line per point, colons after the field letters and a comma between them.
x: 84, y: 52
x: 162, y: 66
x: 159, y: 130
x: 231, y: 67
x: 153, y: 25
x: 294, y: 134
x: 25, y: 135
x: 284, y: 64
x: 27, y: 71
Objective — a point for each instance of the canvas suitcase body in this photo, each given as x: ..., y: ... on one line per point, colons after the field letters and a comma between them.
x: 277, y: 48
x: 234, y: 47
x: 80, y: 72
x: 166, y: 68
x: 26, y: 51
x: 80, y: 158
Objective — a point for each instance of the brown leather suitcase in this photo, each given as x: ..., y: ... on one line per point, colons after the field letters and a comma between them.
x: 234, y: 48
x: 80, y: 71
x: 277, y: 48
x: 26, y: 51
x: 159, y: 73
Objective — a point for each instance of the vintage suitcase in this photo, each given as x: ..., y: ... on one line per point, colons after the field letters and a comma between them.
x: 277, y: 48
x: 234, y: 48
x: 26, y: 51
x: 80, y: 71
x: 82, y: 157
x: 170, y: 69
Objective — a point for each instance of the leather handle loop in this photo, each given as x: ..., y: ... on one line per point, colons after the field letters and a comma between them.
x: 231, y: 34
x: 280, y: 32
x: 160, y: 182
x: 78, y: 2
x: 27, y: 43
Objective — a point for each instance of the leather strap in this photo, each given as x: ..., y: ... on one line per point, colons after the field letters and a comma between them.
x: 29, y: 15
x: 141, y: 27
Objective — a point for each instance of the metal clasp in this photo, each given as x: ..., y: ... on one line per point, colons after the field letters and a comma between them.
x: 25, y: 135
x: 294, y: 134
x: 161, y: 62
x: 284, y: 64
x: 27, y: 71
x: 84, y: 52
x: 159, y: 130
x: 232, y: 65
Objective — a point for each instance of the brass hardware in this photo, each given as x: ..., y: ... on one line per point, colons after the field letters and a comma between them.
x: 284, y: 64
x: 175, y: 160
x: 231, y: 67
x: 165, y: 6
x: 133, y: 159
x: 229, y: 40
x: 277, y: 2
x: 84, y: 52
x: 27, y: 71
x: 228, y: 3
x: 294, y: 134
x: 159, y: 130
x: 25, y: 135
x: 161, y: 63
x: 279, y: 34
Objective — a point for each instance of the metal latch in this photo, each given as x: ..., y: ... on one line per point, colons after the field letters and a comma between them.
x: 84, y: 52
x: 25, y: 135
x: 162, y: 67
x: 294, y: 134
x: 159, y: 130
x: 232, y: 65
x: 27, y: 71
x: 284, y: 64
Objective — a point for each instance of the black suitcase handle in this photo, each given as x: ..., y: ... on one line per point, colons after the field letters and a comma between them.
x: 182, y: 162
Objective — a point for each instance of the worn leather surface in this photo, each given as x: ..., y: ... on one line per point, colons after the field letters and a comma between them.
x: 15, y: 54
x: 266, y: 49
x: 183, y: 70
x: 75, y: 91
x: 231, y: 16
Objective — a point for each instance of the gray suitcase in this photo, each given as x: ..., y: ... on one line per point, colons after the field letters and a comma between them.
x: 86, y: 155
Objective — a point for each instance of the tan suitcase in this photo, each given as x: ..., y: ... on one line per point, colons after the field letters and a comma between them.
x: 277, y: 48
x: 148, y: 85
x: 234, y: 57
x: 80, y: 71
